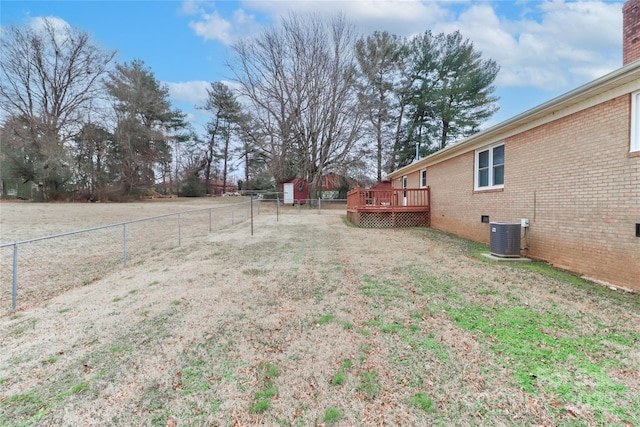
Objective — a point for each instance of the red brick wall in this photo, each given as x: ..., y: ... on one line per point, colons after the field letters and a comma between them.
x: 572, y: 178
x: 630, y: 31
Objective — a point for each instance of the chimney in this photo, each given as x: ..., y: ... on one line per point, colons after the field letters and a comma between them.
x: 630, y: 31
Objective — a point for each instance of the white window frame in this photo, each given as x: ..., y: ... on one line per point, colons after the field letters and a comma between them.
x: 405, y: 181
x: 423, y: 182
x: 635, y: 122
x: 476, y: 179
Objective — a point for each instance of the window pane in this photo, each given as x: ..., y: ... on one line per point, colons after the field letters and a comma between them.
x: 483, y: 159
x: 483, y: 178
x: 498, y: 175
x: 498, y: 155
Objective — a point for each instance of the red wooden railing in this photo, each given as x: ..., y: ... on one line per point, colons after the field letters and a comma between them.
x: 396, y: 199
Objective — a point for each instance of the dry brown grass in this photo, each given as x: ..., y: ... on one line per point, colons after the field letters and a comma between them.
x: 233, y: 329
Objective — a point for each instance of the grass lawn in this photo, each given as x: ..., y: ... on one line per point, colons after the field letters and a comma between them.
x: 314, y: 322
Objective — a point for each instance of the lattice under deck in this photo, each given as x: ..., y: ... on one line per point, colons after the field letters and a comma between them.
x: 389, y: 219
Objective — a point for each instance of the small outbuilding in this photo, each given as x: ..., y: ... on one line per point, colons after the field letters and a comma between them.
x: 295, y: 191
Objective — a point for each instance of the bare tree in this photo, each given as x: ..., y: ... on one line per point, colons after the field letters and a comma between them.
x: 300, y: 79
x: 48, y: 76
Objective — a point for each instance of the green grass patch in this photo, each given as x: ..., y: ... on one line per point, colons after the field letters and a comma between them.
x: 268, y: 370
x: 29, y: 406
x: 425, y: 283
x: 194, y: 378
x: 547, y: 357
x: 422, y: 401
x: 263, y: 398
x: 75, y: 389
x: 34, y: 404
x: 64, y: 310
x: 392, y: 327
x: 332, y: 415
x: 176, y: 302
x: 382, y: 289
x: 265, y: 395
x: 340, y: 376
x: 261, y: 406
x: 346, y: 325
x: 369, y: 385
x: 476, y: 249
x: 324, y: 319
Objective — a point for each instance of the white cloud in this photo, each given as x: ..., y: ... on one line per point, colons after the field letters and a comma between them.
x: 549, y: 45
x: 193, y: 92
x: 211, y: 25
x: 555, y: 45
x: 402, y: 17
x: 569, y: 44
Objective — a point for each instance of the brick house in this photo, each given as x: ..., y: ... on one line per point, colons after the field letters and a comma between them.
x: 571, y: 166
x: 216, y: 187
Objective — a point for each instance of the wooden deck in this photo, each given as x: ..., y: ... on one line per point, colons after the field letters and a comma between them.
x: 407, y: 207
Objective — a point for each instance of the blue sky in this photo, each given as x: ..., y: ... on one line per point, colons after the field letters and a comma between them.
x: 544, y: 48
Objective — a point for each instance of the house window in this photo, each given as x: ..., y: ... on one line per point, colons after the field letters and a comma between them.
x: 635, y: 122
x: 489, y: 168
x: 423, y: 178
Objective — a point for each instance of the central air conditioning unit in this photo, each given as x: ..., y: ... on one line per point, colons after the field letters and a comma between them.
x: 505, y: 239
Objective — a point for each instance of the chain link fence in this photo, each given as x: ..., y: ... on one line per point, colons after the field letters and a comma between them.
x: 321, y: 206
x: 34, y: 270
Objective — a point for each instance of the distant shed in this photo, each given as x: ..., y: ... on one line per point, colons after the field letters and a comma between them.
x: 295, y: 191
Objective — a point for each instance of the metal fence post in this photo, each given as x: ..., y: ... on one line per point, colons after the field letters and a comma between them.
x: 277, y: 208
x: 124, y: 244
x: 14, y: 286
x: 318, y: 204
x: 252, y: 214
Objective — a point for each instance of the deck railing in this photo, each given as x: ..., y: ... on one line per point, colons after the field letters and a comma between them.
x: 397, y: 199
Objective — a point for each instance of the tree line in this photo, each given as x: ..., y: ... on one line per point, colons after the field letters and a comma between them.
x: 310, y: 96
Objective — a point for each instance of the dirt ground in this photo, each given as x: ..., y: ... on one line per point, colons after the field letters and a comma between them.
x: 311, y: 321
